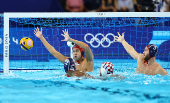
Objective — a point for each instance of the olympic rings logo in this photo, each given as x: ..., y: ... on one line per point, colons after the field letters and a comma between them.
x: 100, y: 42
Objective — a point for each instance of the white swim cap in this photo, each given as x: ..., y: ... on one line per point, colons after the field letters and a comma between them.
x: 106, y: 68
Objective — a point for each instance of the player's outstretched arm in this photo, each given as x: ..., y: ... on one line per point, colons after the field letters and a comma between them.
x: 50, y: 48
x: 127, y: 47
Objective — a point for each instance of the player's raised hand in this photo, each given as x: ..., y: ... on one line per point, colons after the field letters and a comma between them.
x: 119, y: 38
x: 38, y: 33
x: 66, y: 35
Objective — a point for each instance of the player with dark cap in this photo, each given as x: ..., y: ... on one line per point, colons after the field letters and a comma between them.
x: 82, y: 54
x: 146, y: 63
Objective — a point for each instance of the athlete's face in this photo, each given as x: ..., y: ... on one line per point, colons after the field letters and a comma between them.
x: 146, y: 54
x: 76, y: 54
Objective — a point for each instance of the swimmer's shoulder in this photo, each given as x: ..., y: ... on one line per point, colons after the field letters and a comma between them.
x: 140, y: 56
x: 161, y: 70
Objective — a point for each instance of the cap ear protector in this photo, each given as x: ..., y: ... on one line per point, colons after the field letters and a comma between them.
x: 83, y: 53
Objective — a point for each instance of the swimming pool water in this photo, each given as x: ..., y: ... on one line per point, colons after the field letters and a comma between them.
x: 52, y: 86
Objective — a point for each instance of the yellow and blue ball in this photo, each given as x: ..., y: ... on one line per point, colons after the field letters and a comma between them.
x: 26, y: 43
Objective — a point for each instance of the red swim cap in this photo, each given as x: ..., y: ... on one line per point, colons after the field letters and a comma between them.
x: 81, y: 49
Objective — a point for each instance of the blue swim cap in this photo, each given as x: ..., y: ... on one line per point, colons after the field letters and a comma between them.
x: 69, y: 65
x: 152, y: 50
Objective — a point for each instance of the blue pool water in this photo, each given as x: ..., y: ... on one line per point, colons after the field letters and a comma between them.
x: 52, y: 86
